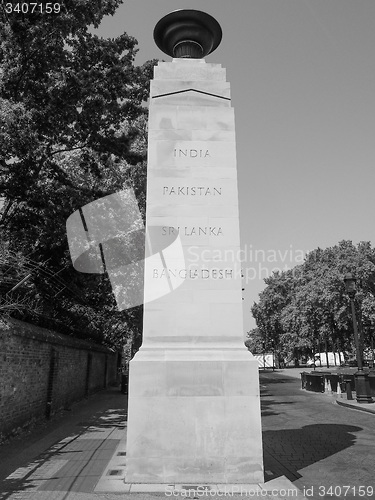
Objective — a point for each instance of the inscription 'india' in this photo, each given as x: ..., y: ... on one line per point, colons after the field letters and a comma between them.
x: 191, y: 153
x: 191, y: 191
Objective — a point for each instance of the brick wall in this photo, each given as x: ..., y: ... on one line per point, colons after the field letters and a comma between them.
x: 42, y: 372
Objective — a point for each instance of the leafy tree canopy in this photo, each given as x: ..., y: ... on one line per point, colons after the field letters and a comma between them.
x: 72, y: 130
x: 308, y: 305
x: 254, y: 341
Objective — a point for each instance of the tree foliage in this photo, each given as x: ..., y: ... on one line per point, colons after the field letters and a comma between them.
x: 255, y: 341
x: 305, y: 307
x: 72, y: 130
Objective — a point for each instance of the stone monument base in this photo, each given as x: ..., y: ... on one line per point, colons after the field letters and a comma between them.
x: 194, y: 416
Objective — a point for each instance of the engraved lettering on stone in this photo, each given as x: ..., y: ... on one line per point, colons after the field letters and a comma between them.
x: 191, y: 153
x: 193, y: 274
x: 192, y: 191
x: 192, y: 231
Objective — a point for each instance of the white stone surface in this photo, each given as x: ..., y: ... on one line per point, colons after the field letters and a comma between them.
x: 179, y: 153
x: 189, y: 69
x: 191, y: 135
x: 195, y: 97
x: 167, y: 117
x: 201, y: 231
x: 162, y: 87
x: 194, y: 408
x: 174, y: 192
x: 205, y: 420
x: 185, y: 210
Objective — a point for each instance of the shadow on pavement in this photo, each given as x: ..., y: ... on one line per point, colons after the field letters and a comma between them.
x: 103, y: 421
x: 263, y: 377
x: 286, y: 451
x: 267, y: 406
x: 86, y: 434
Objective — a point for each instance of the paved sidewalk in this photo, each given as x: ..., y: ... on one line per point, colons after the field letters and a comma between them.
x: 81, y: 456
x: 307, y: 439
x: 67, y: 455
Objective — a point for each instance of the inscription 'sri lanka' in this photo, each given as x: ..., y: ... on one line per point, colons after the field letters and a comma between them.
x: 192, y: 195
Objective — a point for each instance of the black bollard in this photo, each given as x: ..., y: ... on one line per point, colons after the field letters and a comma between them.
x: 348, y: 387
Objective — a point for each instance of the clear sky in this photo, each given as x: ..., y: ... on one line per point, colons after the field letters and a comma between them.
x: 302, y: 75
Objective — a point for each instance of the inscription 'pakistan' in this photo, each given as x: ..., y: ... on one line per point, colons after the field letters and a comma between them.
x: 191, y: 191
x: 192, y: 231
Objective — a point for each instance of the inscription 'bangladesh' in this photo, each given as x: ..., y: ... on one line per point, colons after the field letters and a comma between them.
x: 191, y: 191
x: 194, y: 274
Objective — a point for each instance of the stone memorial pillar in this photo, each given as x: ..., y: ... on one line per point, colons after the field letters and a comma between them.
x: 194, y: 408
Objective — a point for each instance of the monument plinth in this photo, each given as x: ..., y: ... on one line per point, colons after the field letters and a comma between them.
x: 194, y: 408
